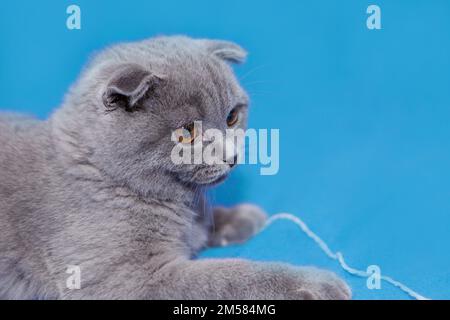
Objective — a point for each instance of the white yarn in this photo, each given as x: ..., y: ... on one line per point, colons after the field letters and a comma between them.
x: 338, y: 255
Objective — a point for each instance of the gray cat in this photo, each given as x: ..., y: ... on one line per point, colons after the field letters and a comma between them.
x: 94, y: 187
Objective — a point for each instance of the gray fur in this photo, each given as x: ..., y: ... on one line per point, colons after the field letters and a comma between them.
x: 94, y: 186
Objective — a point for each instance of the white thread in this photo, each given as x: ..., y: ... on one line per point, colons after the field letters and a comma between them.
x: 338, y: 255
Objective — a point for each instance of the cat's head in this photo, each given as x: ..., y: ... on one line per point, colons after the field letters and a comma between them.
x: 134, y: 98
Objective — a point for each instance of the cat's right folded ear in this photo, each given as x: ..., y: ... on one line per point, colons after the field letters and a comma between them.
x: 225, y: 50
x: 128, y: 85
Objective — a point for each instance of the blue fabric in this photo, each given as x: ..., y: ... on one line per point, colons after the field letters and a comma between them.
x: 363, y: 117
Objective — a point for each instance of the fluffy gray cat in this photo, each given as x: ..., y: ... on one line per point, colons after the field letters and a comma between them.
x: 94, y: 186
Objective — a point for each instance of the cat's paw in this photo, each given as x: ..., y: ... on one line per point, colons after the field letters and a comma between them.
x: 236, y: 224
x: 316, y: 284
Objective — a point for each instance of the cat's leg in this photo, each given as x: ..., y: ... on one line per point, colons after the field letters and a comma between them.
x: 236, y: 224
x: 241, y: 280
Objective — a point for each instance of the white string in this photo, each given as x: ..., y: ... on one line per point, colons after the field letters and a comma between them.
x: 338, y: 255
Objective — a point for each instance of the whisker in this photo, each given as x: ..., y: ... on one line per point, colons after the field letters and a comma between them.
x: 257, y: 82
x: 245, y: 75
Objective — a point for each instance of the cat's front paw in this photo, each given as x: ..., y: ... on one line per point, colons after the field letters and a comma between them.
x: 236, y: 224
x: 316, y: 284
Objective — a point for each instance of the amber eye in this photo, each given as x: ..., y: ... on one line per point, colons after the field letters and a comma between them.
x: 233, y: 117
x: 186, y: 134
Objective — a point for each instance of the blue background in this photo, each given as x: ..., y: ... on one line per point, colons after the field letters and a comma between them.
x: 363, y: 116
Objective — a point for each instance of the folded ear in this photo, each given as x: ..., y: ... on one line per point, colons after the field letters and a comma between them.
x: 128, y: 85
x: 226, y: 50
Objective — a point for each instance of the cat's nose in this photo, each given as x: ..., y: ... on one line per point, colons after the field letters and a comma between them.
x: 232, y: 162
